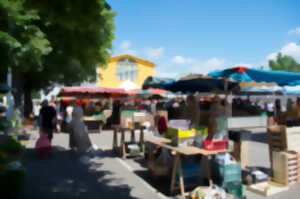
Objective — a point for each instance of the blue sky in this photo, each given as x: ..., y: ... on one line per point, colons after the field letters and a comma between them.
x: 199, y: 36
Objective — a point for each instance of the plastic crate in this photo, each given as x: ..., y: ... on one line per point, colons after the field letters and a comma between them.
x: 226, y: 173
x: 215, y: 145
x: 190, y: 172
x: 235, y: 188
x: 179, y: 133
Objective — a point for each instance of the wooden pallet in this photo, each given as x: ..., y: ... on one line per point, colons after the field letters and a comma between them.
x: 267, y: 188
x: 286, y: 167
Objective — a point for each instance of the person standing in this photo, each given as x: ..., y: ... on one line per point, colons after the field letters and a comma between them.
x: 36, y: 113
x: 47, y: 119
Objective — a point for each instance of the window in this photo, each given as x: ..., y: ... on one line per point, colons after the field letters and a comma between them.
x: 126, y: 69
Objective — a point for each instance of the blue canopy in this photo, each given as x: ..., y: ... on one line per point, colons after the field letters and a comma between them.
x: 248, y: 74
x: 157, y: 82
x: 192, y: 84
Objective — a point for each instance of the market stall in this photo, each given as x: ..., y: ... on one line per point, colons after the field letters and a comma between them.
x: 92, y: 97
x: 185, y: 139
x: 283, y: 139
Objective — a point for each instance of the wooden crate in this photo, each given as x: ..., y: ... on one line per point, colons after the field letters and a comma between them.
x: 276, y: 139
x: 293, y: 139
x: 286, y: 167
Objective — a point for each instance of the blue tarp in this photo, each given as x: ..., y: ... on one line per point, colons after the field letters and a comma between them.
x: 248, y: 74
x: 156, y: 82
x: 201, y: 84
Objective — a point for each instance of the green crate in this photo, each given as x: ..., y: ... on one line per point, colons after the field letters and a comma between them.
x: 235, y: 188
x: 226, y: 173
x: 128, y: 112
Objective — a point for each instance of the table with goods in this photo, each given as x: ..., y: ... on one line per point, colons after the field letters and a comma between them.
x: 94, y: 122
x: 130, y: 122
x: 187, y: 169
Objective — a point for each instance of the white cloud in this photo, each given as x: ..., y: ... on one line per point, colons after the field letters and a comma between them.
x: 154, y: 53
x: 206, y: 66
x: 125, y: 48
x: 182, y: 60
x: 290, y: 49
x: 295, y: 31
x: 125, y: 45
x: 179, y: 66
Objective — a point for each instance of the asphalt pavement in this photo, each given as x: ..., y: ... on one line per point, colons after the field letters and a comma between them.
x: 64, y: 175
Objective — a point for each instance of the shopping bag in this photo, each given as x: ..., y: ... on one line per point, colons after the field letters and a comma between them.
x: 43, y: 145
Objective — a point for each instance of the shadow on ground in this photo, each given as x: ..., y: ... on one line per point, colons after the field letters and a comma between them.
x: 63, y: 176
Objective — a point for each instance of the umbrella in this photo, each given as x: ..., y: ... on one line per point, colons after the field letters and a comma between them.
x: 157, y: 82
x: 200, y: 83
x: 241, y: 73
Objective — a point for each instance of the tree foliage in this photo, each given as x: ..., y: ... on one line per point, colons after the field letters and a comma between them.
x: 47, y: 42
x: 284, y: 63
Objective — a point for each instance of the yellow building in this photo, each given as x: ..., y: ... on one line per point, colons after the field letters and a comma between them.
x: 124, y: 68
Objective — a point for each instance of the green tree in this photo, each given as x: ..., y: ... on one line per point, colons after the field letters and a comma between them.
x: 284, y: 63
x: 74, y: 38
x: 22, y: 43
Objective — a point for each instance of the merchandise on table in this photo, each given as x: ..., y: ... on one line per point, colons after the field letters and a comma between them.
x: 133, y: 148
x: 208, y: 193
x: 213, y: 145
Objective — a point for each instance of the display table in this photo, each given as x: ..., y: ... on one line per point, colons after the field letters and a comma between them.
x: 186, y: 150
x: 94, y: 123
x: 119, y: 129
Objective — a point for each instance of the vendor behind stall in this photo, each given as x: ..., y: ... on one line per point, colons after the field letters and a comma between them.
x: 192, y: 112
x: 217, y: 128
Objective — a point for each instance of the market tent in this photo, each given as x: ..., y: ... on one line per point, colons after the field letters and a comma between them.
x: 197, y: 83
x: 291, y: 90
x: 89, y: 91
x: 128, y: 85
x: 241, y: 73
x: 157, y: 82
x: 264, y: 89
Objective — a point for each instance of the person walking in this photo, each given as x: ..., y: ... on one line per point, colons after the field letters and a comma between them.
x: 47, y: 119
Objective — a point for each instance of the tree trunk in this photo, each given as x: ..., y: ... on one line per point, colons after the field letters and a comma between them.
x: 18, y: 84
x: 27, y: 102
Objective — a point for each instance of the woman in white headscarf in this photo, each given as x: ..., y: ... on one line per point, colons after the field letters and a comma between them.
x: 79, y: 139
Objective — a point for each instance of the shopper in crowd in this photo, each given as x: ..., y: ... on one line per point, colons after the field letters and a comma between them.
x: 36, y: 113
x: 47, y: 119
x: 79, y: 140
x: 289, y: 104
x: 69, y: 111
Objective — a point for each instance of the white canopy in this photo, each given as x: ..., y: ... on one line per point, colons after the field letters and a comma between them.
x: 128, y: 85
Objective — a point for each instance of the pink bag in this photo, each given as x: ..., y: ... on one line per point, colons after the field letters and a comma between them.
x: 43, y: 145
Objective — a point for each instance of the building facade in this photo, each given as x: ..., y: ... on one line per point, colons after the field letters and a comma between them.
x: 124, y: 68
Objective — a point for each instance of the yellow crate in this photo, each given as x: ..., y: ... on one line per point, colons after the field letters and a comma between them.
x: 179, y: 133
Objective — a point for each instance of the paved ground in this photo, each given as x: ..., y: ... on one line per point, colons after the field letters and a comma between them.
x: 107, y: 176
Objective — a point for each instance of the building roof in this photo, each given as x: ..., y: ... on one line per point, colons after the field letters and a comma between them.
x: 138, y: 60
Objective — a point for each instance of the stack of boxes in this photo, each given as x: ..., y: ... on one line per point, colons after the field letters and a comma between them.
x: 229, y: 177
x: 284, y: 147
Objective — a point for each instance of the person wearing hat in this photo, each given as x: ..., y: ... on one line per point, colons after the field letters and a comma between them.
x: 47, y: 119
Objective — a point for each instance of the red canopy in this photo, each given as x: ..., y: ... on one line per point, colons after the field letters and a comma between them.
x: 69, y: 91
